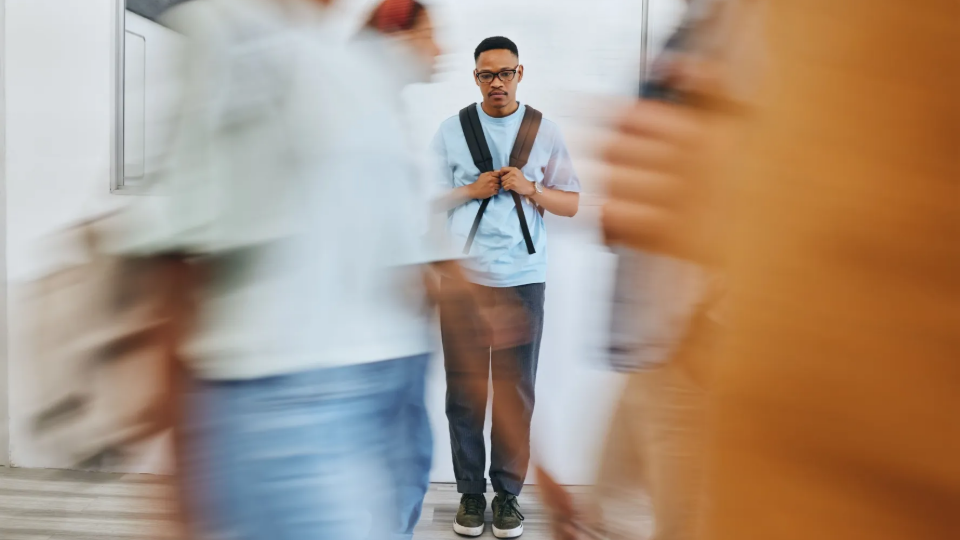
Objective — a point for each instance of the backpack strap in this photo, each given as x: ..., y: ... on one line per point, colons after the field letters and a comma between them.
x: 473, y: 133
x: 526, y: 136
x: 529, y: 128
x: 480, y: 151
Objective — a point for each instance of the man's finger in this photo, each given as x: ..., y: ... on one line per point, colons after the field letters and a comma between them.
x: 652, y: 229
x: 644, y: 152
x: 661, y: 120
x: 646, y: 186
x: 639, y: 226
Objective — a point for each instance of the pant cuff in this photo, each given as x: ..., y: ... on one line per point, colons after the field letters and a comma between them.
x: 471, y: 487
x: 512, y: 487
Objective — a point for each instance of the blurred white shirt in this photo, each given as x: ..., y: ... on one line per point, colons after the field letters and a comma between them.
x: 292, y: 177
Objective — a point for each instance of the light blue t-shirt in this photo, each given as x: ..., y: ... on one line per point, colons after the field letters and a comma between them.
x: 498, y: 256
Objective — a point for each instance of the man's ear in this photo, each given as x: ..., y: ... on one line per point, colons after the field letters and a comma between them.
x: 520, y: 73
x: 475, y: 79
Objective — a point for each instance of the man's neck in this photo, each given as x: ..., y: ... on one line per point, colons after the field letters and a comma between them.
x: 502, y: 112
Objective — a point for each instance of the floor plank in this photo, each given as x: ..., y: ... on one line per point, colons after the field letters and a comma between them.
x: 74, y: 505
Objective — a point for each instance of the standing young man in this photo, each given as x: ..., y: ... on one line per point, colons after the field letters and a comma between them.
x: 495, y: 189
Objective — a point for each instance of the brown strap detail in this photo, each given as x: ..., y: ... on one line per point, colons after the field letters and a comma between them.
x: 527, y: 135
x: 519, y: 156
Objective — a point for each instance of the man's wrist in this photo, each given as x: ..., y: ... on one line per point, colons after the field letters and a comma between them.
x: 534, y: 192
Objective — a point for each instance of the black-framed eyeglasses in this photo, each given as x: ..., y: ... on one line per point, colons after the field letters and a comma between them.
x: 486, y: 77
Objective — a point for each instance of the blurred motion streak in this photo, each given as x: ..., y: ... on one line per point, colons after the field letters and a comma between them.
x: 834, y: 383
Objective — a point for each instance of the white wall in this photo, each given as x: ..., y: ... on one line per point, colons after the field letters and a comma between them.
x: 58, y: 83
x: 59, y: 57
x: 59, y: 61
x: 4, y: 392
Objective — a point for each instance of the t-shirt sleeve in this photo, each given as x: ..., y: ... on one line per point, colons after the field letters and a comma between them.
x: 559, y: 173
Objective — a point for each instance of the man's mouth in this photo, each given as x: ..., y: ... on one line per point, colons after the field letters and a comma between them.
x: 498, y: 94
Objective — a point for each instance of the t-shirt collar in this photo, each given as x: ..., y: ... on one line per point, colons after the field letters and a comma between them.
x: 514, y: 117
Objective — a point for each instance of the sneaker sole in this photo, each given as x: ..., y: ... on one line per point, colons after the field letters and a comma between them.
x: 468, y: 531
x: 510, y: 533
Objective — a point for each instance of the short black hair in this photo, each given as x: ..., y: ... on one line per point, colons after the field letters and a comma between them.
x: 493, y: 44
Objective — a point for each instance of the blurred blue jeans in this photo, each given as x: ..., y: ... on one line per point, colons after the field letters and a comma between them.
x: 332, y: 454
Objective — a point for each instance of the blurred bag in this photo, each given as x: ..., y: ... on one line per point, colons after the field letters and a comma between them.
x: 99, y: 352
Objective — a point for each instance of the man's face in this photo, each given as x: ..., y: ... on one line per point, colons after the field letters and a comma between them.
x: 498, y: 93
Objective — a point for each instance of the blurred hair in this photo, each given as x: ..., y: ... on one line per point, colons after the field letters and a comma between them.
x: 493, y: 44
x: 395, y: 16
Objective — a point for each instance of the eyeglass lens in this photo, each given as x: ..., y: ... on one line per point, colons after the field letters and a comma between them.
x: 506, y: 75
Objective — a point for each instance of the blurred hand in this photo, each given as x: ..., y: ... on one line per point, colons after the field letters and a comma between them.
x: 486, y: 186
x: 566, y: 523
x: 507, y: 325
x: 500, y: 326
x: 662, y: 173
x: 512, y: 179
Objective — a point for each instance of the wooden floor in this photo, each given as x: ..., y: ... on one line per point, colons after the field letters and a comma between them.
x: 72, y: 505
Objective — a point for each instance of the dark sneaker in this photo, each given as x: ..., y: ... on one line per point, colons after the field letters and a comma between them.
x: 507, y: 519
x: 469, y: 520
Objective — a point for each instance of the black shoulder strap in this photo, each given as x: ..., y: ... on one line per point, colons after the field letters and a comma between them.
x: 480, y: 151
x: 473, y: 132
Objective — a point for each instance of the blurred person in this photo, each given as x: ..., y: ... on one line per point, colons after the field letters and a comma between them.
x: 668, y: 310
x: 409, y: 24
x: 655, y: 442
x: 495, y: 208
x: 312, y: 335
x: 835, y: 381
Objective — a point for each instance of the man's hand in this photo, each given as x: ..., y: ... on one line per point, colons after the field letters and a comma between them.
x: 666, y: 162
x: 664, y: 165
x: 653, y: 183
x: 507, y: 325
x: 565, y: 519
x: 513, y: 180
x: 486, y: 186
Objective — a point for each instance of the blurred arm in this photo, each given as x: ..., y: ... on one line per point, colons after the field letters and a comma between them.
x: 454, y: 198
x: 449, y: 196
x: 561, y: 203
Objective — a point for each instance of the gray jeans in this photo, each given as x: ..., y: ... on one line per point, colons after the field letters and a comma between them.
x: 514, y: 370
